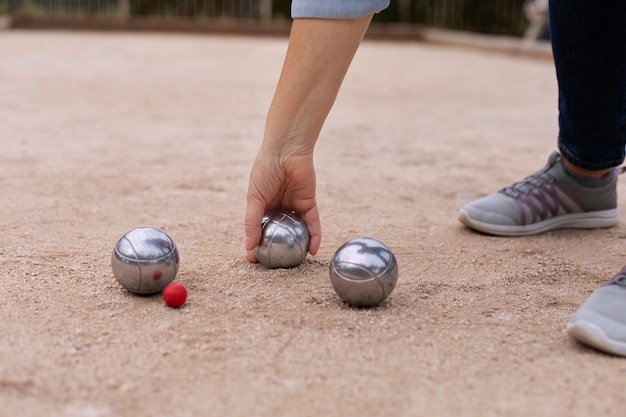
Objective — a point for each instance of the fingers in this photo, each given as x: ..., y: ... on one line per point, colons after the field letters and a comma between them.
x: 286, y: 184
x: 312, y: 220
x: 251, y: 257
x: 252, y: 225
x: 253, y: 221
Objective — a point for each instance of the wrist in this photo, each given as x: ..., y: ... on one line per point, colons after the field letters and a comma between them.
x: 289, y: 144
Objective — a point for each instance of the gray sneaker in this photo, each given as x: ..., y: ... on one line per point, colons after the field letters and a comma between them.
x: 550, y: 199
x: 601, y: 321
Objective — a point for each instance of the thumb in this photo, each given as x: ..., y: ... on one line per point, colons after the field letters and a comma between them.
x: 252, y: 228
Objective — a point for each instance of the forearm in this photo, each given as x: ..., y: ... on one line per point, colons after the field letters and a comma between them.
x: 319, y: 54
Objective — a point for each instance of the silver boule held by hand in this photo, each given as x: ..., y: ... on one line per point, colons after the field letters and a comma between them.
x: 145, y: 260
x: 284, y: 241
x: 363, y: 272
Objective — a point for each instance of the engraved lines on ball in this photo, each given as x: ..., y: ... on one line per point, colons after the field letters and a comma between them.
x: 363, y: 272
x: 371, y: 275
x: 136, y: 256
x: 279, y: 224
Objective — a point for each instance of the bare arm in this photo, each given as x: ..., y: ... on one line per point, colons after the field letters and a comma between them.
x: 283, y: 177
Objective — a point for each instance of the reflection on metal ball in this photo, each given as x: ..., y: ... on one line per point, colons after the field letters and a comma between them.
x: 363, y: 272
x: 284, y: 241
x: 145, y: 260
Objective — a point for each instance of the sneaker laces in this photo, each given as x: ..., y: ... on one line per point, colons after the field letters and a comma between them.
x: 619, y: 278
x: 541, y: 194
x: 528, y: 184
x: 541, y: 178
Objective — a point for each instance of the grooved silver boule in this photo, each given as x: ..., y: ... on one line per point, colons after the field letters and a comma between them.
x: 284, y: 241
x: 363, y: 272
x: 145, y: 260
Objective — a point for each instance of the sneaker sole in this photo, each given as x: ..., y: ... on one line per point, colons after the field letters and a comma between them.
x: 592, y: 220
x: 592, y: 335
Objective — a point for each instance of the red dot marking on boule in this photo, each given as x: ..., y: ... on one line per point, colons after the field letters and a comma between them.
x: 157, y: 274
x: 174, y: 295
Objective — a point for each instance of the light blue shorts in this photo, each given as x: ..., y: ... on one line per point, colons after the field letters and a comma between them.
x: 336, y: 9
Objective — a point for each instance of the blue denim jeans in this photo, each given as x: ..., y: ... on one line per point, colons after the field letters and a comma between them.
x: 589, y: 46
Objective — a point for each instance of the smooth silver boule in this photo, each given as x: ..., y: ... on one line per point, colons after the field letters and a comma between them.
x: 284, y: 241
x: 145, y: 261
x: 363, y: 272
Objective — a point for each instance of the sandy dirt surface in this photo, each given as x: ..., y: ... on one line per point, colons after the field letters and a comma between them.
x: 105, y: 132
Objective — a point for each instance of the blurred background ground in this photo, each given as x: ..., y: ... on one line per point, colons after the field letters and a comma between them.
x: 105, y: 132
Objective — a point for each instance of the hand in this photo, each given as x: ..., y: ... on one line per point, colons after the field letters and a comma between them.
x: 281, y: 183
x: 283, y: 176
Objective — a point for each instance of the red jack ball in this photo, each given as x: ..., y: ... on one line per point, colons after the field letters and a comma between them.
x: 174, y: 295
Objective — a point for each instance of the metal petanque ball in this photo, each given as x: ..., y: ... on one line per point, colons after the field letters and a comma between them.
x: 145, y: 260
x: 284, y: 241
x: 363, y: 272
